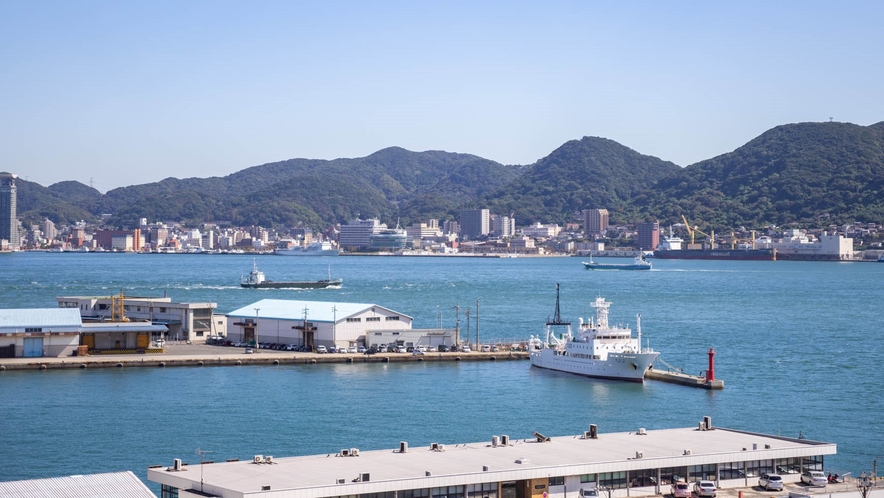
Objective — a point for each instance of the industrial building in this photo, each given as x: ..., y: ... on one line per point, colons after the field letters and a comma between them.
x: 194, y: 322
x: 86, y: 486
x: 329, y: 324
x: 37, y: 332
x: 637, y: 463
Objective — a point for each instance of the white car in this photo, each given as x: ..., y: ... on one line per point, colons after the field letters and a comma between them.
x: 466, y: 349
x: 352, y: 350
x: 588, y: 493
x: 814, y: 478
x: 486, y: 348
x: 705, y: 489
x: 770, y: 482
x: 321, y: 349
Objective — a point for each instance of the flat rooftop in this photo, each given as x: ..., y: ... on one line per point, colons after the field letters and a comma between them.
x: 459, y: 464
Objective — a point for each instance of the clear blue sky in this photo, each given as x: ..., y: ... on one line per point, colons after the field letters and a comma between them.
x: 124, y: 92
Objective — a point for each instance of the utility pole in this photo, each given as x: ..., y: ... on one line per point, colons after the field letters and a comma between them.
x: 477, y: 321
x: 457, y: 326
x: 468, y: 325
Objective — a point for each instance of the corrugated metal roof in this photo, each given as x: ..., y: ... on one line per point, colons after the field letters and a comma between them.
x: 317, y: 311
x: 122, y: 327
x: 40, y: 317
x: 112, y: 484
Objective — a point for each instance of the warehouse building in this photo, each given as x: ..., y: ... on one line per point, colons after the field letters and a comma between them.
x: 638, y: 463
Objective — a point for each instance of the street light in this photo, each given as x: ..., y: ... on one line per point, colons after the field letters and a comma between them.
x: 864, y: 484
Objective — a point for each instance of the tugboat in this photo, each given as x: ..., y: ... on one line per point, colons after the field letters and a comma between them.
x: 256, y: 280
x: 599, y: 350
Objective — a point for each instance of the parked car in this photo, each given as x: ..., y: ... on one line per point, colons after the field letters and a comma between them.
x: 249, y: 351
x: 417, y: 352
x: 681, y: 490
x: 771, y: 482
x: 361, y: 349
x: 814, y: 478
x: 588, y: 493
x: 371, y: 350
x: 486, y: 348
x: 466, y: 349
x: 705, y: 489
x: 401, y: 349
x: 321, y: 349
x: 431, y: 349
x: 495, y: 349
x: 352, y: 349
x: 443, y: 348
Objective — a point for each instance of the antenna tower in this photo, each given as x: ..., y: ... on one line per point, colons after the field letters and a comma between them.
x: 557, y: 318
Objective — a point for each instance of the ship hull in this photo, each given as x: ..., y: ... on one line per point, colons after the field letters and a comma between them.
x: 598, y: 266
x: 302, y: 252
x: 629, y: 367
x: 319, y: 284
x: 722, y: 254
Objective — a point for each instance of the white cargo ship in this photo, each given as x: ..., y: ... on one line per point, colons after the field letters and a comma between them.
x: 599, y: 350
x: 318, y: 248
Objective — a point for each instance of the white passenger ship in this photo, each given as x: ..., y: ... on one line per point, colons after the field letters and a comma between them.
x: 598, y: 350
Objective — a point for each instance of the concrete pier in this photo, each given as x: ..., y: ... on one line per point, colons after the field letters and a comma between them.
x: 684, y: 379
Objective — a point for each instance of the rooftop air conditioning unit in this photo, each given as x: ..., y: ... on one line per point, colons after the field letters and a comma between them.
x: 354, y: 451
x: 707, y: 421
x: 767, y: 446
x: 495, y: 441
x: 365, y: 477
x: 345, y: 452
x: 701, y: 426
x: 687, y: 452
x: 587, y: 435
x: 639, y: 454
x: 593, y: 431
x: 642, y: 431
x: 176, y: 464
x: 505, y: 440
x: 403, y: 446
x: 440, y: 447
x: 259, y: 459
x: 268, y: 459
x: 434, y: 446
x: 754, y: 446
x: 341, y: 481
x: 485, y: 468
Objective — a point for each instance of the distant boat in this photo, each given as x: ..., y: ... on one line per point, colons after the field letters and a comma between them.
x: 318, y: 248
x: 256, y: 280
x: 639, y: 263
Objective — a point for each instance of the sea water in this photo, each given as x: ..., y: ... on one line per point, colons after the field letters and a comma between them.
x: 798, y: 345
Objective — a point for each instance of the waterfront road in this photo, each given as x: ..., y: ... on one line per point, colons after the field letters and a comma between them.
x: 199, y: 355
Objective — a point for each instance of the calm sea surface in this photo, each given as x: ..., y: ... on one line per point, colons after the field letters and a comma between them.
x: 799, y: 348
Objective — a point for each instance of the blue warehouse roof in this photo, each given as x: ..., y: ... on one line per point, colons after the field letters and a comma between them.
x: 39, y: 317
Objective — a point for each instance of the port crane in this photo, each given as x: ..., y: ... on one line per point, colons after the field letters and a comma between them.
x: 694, y: 230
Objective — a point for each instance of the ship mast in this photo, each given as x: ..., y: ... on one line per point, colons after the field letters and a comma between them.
x: 557, y: 318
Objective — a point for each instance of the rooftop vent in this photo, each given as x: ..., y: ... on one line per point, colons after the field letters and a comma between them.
x: 495, y: 441
x: 707, y: 421
x: 642, y: 431
x: 540, y: 437
x: 687, y: 452
x: 593, y: 431
x: 505, y: 440
x: 522, y: 460
x: 485, y: 468
x: 403, y: 446
x: 176, y: 464
x: 767, y: 446
x: 428, y: 473
x: 639, y: 454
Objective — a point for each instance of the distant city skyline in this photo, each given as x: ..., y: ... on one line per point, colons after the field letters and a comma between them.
x: 120, y: 94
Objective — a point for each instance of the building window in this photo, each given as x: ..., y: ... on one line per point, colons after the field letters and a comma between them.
x: 557, y: 481
x: 731, y: 470
x: 447, y: 491
x: 670, y: 475
x: 162, y: 310
x: 702, y: 472
x: 102, y: 307
x: 484, y: 490
x: 788, y: 466
x: 755, y: 468
x: 812, y: 462
x: 393, y: 318
x: 33, y: 329
x: 613, y: 480
x: 354, y: 319
x: 202, y: 312
x: 373, y: 319
x: 587, y: 478
x: 138, y: 309
x: 167, y: 491
x: 642, y: 478
x: 414, y: 493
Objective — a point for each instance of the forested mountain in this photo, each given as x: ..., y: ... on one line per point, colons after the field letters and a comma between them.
x: 581, y: 174
x: 813, y: 174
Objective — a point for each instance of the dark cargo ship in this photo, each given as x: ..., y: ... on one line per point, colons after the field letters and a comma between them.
x: 724, y: 254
